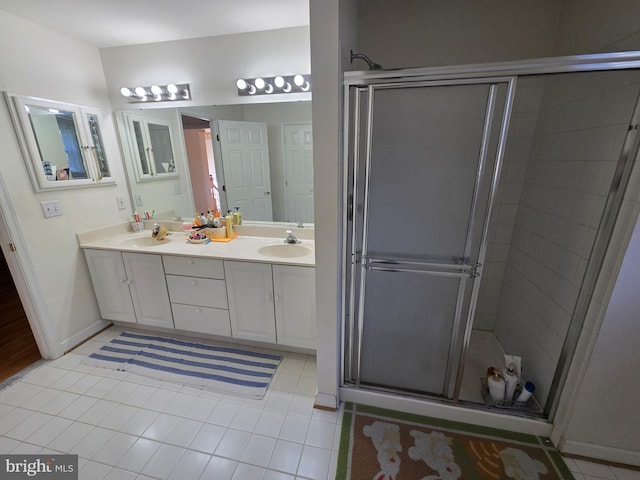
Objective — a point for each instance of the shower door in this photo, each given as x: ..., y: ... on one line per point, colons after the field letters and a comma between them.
x: 423, y: 162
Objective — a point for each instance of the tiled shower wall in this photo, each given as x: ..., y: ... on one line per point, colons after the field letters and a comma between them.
x: 563, y: 183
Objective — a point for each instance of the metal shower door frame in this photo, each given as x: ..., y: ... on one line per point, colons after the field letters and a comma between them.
x: 361, y: 262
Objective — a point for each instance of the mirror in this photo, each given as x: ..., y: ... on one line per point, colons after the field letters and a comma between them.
x: 289, y: 188
x: 152, y: 147
x: 62, y: 143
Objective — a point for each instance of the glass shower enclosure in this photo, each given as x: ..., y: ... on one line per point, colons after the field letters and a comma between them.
x: 461, y: 221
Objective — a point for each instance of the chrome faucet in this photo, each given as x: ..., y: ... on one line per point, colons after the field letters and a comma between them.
x: 291, y: 238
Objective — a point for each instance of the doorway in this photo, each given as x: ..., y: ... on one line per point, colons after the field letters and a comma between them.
x: 18, y: 346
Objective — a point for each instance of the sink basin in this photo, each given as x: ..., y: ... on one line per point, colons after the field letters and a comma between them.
x: 142, y: 241
x: 284, y: 250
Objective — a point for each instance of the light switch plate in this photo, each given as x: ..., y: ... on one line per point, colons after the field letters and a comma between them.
x: 51, y: 208
x: 121, y: 204
x: 138, y: 199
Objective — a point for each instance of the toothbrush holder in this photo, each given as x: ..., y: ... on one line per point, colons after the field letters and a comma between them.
x: 137, y: 226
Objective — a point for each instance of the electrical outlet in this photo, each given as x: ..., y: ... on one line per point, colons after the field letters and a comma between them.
x: 139, y: 201
x: 176, y: 189
x: 121, y: 203
x: 51, y: 208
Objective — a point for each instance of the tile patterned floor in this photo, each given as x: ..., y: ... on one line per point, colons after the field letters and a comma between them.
x: 126, y: 427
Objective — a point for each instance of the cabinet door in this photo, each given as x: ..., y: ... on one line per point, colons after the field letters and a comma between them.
x: 250, y: 292
x: 110, y: 285
x: 295, y: 305
x: 148, y: 289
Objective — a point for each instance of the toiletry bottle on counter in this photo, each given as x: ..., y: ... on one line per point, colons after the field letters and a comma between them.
x: 511, y: 381
x: 228, y: 221
x: 496, y: 385
x: 237, y: 216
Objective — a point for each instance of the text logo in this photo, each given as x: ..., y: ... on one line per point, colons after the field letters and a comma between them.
x: 50, y: 467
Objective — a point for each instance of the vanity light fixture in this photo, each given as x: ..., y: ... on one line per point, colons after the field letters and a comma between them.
x: 157, y: 93
x: 274, y: 85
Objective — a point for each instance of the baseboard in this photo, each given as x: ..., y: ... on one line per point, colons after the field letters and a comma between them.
x: 611, y: 455
x: 87, y: 332
x: 326, y: 402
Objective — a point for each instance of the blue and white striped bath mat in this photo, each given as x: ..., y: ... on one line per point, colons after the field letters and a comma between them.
x: 220, y: 368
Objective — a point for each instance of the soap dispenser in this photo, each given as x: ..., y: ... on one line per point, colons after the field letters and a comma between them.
x: 237, y: 216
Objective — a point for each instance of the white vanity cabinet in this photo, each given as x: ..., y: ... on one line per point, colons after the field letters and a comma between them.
x: 130, y: 287
x: 198, y: 294
x: 250, y: 291
x: 294, y: 294
x: 273, y: 304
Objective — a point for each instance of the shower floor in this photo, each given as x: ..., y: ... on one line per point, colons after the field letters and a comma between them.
x: 484, y: 351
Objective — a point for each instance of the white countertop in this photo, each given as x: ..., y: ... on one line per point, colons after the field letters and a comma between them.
x: 243, y: 248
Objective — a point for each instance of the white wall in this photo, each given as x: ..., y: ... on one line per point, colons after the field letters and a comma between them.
x: 38, y: 62
x: 211, y: 65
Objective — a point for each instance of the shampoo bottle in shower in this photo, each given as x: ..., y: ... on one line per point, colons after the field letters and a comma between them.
x: 511, y: 381
x: 496, y: 385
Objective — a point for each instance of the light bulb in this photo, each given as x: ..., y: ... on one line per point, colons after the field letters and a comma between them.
x: 268, y: 88
x: 171, y: 88
x: 141, y: 92
x: 287, y: 87
x: 278, y: 81
x: 241, y: 84
x: 126, y: 92
x: 298, y: 80
x: 156, y: 90
x: 305, y: 86
x: 252, y: 90
x: 259, y: 83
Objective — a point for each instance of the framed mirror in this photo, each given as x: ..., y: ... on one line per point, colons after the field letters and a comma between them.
x: 270, y: 178
x: 62, y: 143
x: 151, y: 147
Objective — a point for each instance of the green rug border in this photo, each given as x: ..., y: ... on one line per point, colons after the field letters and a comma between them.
x: 350, y: 409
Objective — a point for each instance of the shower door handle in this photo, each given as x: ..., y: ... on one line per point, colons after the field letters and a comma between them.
x: 430, y: 268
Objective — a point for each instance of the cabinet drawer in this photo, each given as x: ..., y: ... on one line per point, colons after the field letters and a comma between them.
x: 203, y: 292
x: 193, y: 266
x: 201, y: 319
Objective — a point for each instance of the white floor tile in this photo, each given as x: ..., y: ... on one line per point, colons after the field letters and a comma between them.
x: 180, y: 404
x: 78, y: 407
x: 120, y: 474
x: 20, y: 393
x: 595, y: 469
x: 208, y: 438
x: 190, y: 466
x: 139, y: 454
x: 301, y: 406
x: 140, y: 396
x: 117, y: 417
x: 83, y: 384
x: 273, y: 475
x: 223, y: 413
x: 286, y: 456
x: 219, y: 468
x: 248, y: 472
x: 159, y: 400
x: 184, y: 432
x: 70, y: 437
x: 278, y: 401
x: 163, y: 462
x: 139, y: 422
x: 93, y: 442
x: 96, y: 412
x: 314, y: 463
x: 45, y: 434
x: 45, y: 396
x: 270, y: 423
x: 29, y: 426
x: 246, y: 418
x: 117, y: 446
x: 94, y: 471
x: 200, y: 409
x: 59, y: 403
x: 161, y: 427
x: 102, y: 387
x: 321, y: 434
x: 233, y: 444
x: 294, y: 429
x: 258, y: 451
x: 120, y: 392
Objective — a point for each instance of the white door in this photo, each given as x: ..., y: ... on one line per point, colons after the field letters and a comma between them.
x: 295, y: 304
x: 298, y: 168
x: 245, y: 165
x: 110, y: 285
x: 250, y: 292
x: 148, y: 289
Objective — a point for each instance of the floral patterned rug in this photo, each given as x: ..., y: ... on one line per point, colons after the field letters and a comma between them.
x: 378, y: 444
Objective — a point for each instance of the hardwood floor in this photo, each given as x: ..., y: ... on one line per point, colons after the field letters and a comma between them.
x: 18, y: 348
